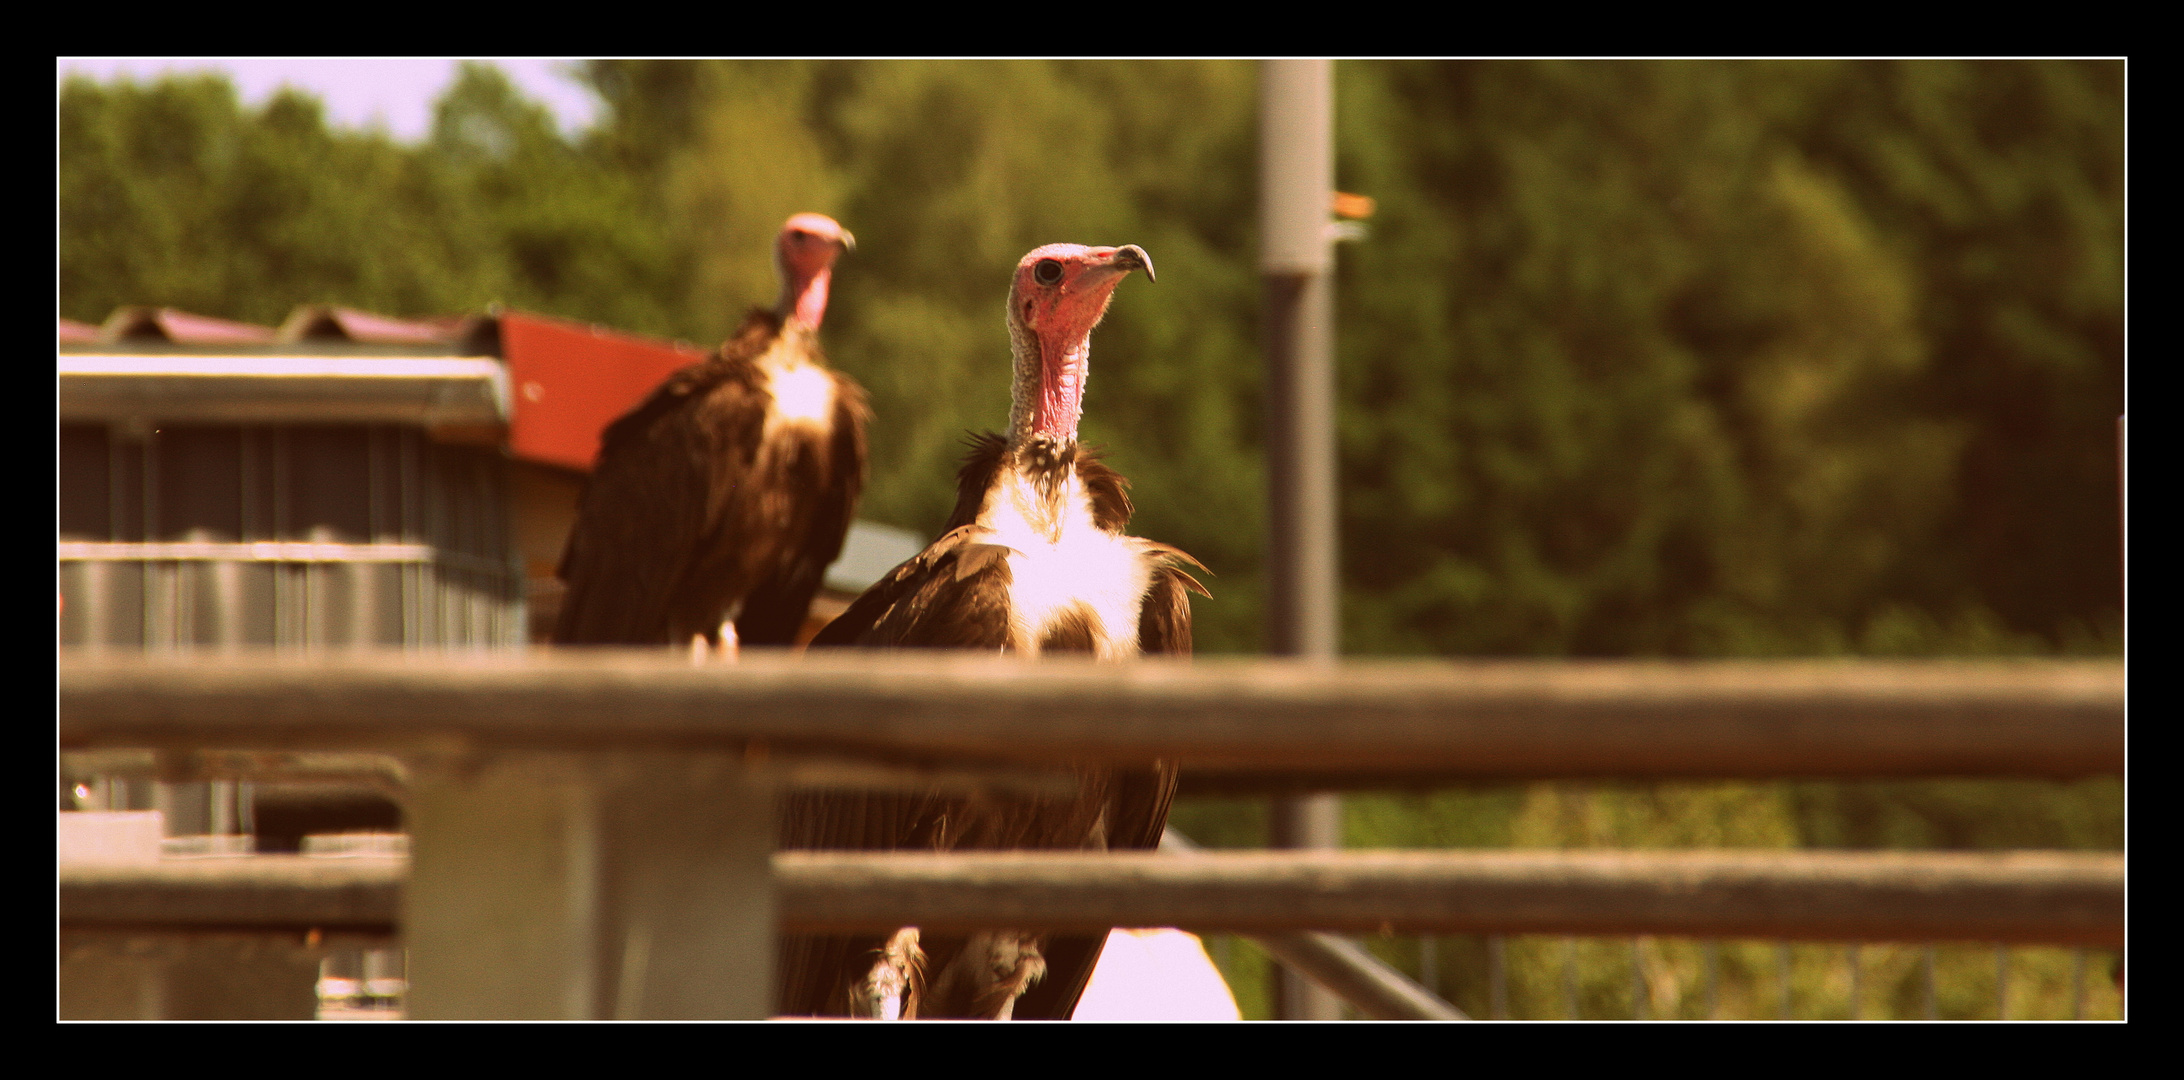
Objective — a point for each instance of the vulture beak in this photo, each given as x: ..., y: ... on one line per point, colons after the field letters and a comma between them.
x: 1133, y: 257
x: 849, y: 243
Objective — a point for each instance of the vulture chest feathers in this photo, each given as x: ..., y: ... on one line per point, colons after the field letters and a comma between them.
x: 1034, y: 560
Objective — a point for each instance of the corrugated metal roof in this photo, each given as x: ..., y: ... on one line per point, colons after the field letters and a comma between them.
x: 557, y: 384
x: 180, y: 327
x: 327, y: 322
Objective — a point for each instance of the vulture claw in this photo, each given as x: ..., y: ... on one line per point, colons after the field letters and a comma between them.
x: 893, y: 982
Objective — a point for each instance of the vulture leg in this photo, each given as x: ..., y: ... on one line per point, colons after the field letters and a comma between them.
x: 894, y: 978
x: 986, y: 978
x: 722, y: 644
x: 1014, y: 962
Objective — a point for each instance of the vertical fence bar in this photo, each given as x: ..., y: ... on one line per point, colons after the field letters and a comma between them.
x: 224, y: 820
x: 1569, y: 979
x: 227, y: 576
x: 156, y: 576
x: 285, y: 636
x: 1710, y: 958
x: 405, y: 527
x: 1782, y: 963
x: 1497, y: 977
x: 1932, y: 1007
x: 2001, y: 982
x: 1641, y: 1008
x: 1857, y: 983
x: 2077, y: 984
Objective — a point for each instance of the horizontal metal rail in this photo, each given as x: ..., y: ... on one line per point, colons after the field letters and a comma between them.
x: 266, y: 893
x: 1243, y: 724
x: 175, y: 386
x: 2050, y: 898
x: 523, y: 769
x: 274, y: 551
x: 2018, y: 897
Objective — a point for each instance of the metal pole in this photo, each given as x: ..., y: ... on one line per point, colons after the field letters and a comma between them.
x: 1296, y: 258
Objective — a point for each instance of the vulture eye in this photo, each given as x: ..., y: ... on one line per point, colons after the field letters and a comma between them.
x: 1047, y: 271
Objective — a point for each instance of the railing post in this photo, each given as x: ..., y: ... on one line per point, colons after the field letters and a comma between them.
x: 590, y: 886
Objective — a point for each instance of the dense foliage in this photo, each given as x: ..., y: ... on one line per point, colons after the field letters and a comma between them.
x: 1639, y: 359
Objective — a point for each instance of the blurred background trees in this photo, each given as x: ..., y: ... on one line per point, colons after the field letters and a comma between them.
x: 1681, y: 359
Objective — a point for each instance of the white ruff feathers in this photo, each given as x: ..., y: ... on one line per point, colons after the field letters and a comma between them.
x: 803, y: 393
x: 1079, y: 565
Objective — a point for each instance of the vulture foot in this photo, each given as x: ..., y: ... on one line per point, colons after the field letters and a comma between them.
x: 724, y: 650
x: 895, y: 978
x: 992, y: 971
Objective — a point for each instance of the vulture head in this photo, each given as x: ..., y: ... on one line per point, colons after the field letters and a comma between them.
x: 1058, y: 295
x: 804, y: 254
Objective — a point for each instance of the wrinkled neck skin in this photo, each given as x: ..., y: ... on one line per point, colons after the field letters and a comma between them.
x: 804, y: 298
x: 1047, y: 397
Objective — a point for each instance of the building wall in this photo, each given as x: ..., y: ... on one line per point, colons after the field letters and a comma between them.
x: 283, y: 535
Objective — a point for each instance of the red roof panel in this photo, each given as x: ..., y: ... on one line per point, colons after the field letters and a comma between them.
x: 570, y: 380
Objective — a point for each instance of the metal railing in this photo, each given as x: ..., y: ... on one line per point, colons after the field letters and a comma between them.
x: 518, y: 756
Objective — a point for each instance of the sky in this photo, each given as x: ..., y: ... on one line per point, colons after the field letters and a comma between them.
x: 393, y: 92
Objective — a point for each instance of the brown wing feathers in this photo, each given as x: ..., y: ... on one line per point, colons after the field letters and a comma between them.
x: 686, y: 516
x: 816, y: 505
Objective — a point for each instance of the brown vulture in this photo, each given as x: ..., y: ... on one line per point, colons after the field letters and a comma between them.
x: 718, y: 503
x: 1034, y: 560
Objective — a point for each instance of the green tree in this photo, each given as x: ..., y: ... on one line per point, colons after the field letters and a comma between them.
x: 173, y: 194
x: 564, y: 231
x: 1655, y: 359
